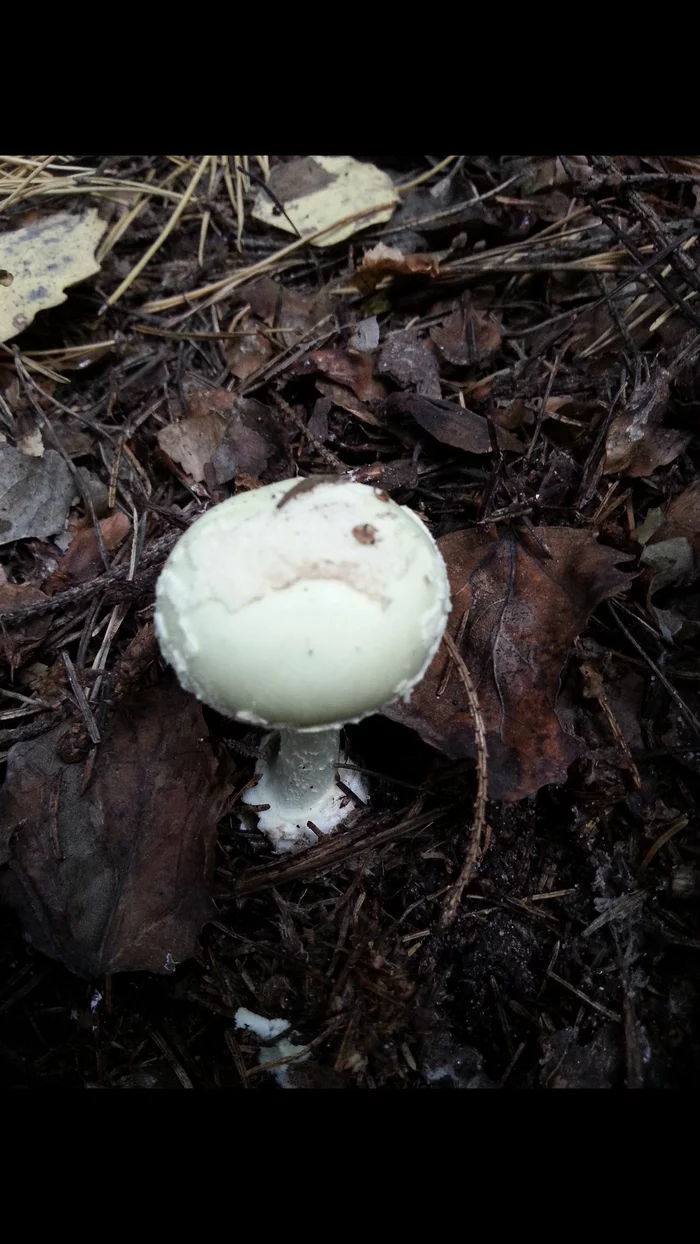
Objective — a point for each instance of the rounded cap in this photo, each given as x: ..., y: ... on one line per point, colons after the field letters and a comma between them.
x: 306, y: 611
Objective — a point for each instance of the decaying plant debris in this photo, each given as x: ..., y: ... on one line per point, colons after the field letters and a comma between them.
x: 511, y: 347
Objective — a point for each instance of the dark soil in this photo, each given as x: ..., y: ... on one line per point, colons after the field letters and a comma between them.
x: 574, y: 957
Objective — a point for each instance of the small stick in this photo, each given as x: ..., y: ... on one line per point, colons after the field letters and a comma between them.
x: 454, y: 895
x: 85, y: 710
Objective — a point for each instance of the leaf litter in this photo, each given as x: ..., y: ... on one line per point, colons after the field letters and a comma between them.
x: 519, y: 611
x: 509, y: 346
x: 113, y: 877
x: 43, y: 258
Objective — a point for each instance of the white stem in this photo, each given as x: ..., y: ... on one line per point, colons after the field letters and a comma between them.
x: 299, y: 786
x: 303, y: 770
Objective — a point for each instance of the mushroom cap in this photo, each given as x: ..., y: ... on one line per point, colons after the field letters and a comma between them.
x: 306, y: 614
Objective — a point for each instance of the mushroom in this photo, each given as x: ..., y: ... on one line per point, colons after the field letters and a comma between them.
x: 303, y: 606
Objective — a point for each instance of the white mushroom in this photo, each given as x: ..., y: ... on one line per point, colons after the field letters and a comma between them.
x: 303, y: 606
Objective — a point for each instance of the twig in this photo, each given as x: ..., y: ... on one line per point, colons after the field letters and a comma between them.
x: 164, y: 233
x: 83, y: 591
x: 542, y: 412
x: 454, y: 896
x: 597, y: 1006
x: 682, y: 706
x: 223, y: 287
x: 326, y: 854
x: 81, y: 698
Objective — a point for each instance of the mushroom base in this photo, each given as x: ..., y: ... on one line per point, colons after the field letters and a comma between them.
x: 299, y: 784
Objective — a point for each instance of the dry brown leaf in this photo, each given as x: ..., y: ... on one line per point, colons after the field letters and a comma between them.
x: 512, y: 415
x: 449, y: 423
x: 18, y: 646
x: 523, y: 615
x: 262, y: 296
x: 223, y: 436
x: 682, y: 518
x: 35, y: 494
x: 254, y: 442
x: 248, y: 353
x: 297, y: 316
x: 340, y: 396
x: 409, y: 361
x: 82, y: 559
x: 115, y: 880
x: 635, y: 443
x: 383, y: 261
x: 193, y: 441
x: 466, y: 337
x: 347, y: 367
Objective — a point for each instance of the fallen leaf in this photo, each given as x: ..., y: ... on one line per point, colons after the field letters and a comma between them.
x: 466, y: 337
x: 449, y: 423
x: 350, y: 368
x: 523, y: 615
x: 672, y: 553
x: 550, y: 207
x: 512, y: 415
x: 193, y: 441
x: 682, y: 518
x: 297, y: 316
x: 18, y: 647
x: 35, y: 494
x: 203, y: 401
x: 383, y: 261
x: 82, y: 560
x: 262, y: 296
x: 343, y: 397
x: 319, y: 191
x: 115, y: 880
x: 365, y: 334
x: 223, y: 436
x: 409, y: 361
x: 44, y: 257
x: 248, y: 353
x: 317, y: 425
x: 670, y: 562
x: 635, y: 442
x: 254, y: 439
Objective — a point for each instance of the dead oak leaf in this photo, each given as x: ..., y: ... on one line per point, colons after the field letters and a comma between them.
x: 466, y: 337
x: 223, y: 436
x: 407, y: 360
x: 249, y: 350
x: 682, y: 518
x: 298, y: 316
x: 636, y: 443
x: 193, y: 441
x: 348, y: 367
x: 82, y: 559
x: 255, y: 442
x: 17, y: 647
x: 115, y: 880
x: 523, y: 615
x: 448, y: 423
x: 343, y: 397
x: 384, y: 260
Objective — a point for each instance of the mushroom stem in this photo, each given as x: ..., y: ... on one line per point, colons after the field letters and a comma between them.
x: 299, y: 784
x: 304, y: 768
